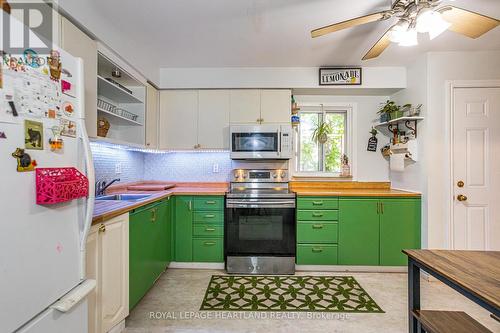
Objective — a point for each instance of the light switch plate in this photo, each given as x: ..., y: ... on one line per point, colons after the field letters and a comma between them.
x: 215, y: 168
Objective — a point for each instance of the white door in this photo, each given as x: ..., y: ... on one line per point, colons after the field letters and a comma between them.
x: 178, y: 119
x: 276, y: 105
x: 213, y: 119
x: 114, y: 271
x: 476, y: 154
x: 245, y: 106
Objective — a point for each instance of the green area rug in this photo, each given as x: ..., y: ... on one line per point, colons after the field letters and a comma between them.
x: 287, y: 293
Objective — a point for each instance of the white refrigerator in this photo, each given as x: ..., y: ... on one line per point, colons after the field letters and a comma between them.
x: 42, y: 246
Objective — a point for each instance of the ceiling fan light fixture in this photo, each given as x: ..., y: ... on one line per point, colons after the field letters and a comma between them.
x: 409, y: 38
x: 432, y: 22
x: 397, y: 32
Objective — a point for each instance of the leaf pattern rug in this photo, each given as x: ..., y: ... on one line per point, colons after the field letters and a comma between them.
x: 287, y: 293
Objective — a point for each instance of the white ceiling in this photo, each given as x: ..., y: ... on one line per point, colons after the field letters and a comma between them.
x: 152, y: 34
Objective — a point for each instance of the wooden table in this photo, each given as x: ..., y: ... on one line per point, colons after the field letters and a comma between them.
x: 474, y: 274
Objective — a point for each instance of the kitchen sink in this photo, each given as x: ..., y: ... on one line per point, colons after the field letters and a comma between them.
x: 124, y: 197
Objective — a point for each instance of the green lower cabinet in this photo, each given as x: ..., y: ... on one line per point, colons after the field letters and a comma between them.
x: 399, y: 229
x: 183, y: 228
x: 317, y: 254
x: 317, y: 232
x: 359, y: 232
x: 208, y: 250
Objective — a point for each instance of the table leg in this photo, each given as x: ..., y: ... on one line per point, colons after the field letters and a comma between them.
x: 413, y: 294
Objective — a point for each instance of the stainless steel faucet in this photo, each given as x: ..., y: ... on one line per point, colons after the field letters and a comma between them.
x: 101, y: 186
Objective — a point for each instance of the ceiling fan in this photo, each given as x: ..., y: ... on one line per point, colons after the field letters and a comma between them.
x: 417, y: 16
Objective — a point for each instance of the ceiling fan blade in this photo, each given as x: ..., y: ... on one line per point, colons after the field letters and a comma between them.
x: 379, y: 46
x: 467, y: 23
x: 351, y: 23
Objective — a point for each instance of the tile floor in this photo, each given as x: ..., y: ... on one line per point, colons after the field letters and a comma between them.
x: 177, y: 296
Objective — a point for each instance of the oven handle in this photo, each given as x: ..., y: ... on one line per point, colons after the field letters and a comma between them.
x: 266, y: 204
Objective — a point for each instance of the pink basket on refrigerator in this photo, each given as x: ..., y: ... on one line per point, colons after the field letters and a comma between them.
x: 54, y: 185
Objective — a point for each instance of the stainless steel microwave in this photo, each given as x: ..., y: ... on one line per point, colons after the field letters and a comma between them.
x: 270, y: 141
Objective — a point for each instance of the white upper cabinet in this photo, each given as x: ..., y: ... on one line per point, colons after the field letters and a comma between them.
x: 152, y: 116
x: 275, y: 106
x: 178, y: 119
x: 213, y: 119
x: 80, y: 45
x: 245, y: 106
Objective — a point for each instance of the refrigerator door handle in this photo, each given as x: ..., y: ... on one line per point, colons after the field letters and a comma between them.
x: 68, y: 301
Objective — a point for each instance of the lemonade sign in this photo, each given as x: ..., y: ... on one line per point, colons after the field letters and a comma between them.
x: 339, y: 76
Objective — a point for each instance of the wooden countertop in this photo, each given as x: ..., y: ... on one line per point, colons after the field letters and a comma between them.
x: 478, y: 272
x: 349, y: 189
x: 357, y: 193
x: 107, y: 209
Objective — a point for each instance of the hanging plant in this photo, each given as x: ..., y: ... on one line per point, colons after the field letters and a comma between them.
x: 321, y: 132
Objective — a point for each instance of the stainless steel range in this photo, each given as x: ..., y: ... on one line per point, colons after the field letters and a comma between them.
x: 260, y: 223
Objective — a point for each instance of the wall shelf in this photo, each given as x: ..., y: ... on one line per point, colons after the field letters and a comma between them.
x: 119, y: 118
x: 409, y: 123
x: 114, y: 92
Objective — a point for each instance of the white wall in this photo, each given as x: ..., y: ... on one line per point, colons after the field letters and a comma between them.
x: 430, y: 75
x: 273, y: 77
x: 370, y: 166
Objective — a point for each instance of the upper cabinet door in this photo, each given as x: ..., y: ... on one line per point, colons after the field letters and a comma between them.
x: 78, y: 44
x: 245, y: 106
x: 276, y: 106
x: 213, y: 119
x: 152, y: 115
x: 178, y: 119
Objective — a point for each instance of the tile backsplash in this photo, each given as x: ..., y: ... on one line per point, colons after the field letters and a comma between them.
x: 106, y: 159
x: 168, y: 166
x: 188, y: 166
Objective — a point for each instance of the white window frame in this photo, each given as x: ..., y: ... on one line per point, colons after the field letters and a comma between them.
x: 350, y: 109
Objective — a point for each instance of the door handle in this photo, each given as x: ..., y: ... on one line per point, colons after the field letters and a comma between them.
x: 378, y: 207
x: 209, y: 229
x: 102, y: 228
x: 209, y: 243
x: 317, y: 203
x: 382, y: 208
x: 209, y: 216
x: 317, y: 250
x: 190, y: 205
x: 461, y: 197
x: 153, y: 215
x: 317, y: 226
x: 317, y: 214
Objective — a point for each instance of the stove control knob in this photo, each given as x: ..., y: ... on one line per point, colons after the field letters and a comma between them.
x: 275, y: 175
x: 283, y: 174
x: 236, y: 175
x: 244, y: 176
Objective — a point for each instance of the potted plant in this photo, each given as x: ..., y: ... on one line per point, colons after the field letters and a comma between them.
x: 321, y: 132
x: 389, y: 110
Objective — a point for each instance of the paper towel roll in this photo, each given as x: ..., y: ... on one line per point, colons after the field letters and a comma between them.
x: 397, y: 162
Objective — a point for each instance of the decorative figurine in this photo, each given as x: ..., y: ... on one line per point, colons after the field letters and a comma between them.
x: 24, y: 161
x: 55, y: 65
x: 56, y: 142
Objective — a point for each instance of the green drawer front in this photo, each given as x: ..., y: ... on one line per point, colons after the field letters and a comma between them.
x: 208, y: 230
x: 317, y: 203
x: 317, y: 232
x: 208, y: 250
x: 316, y: 254
x: 208, y: 203
x: 208, y: 217
x: 317, y: 215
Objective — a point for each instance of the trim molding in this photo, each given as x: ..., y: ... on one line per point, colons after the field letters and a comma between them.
x: 360, y: 269
x: 197, y: 265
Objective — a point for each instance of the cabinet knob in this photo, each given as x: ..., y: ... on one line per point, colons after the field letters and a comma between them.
x: 148, y: 144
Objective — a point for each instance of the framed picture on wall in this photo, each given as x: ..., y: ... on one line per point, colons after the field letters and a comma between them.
x: 340, y: 76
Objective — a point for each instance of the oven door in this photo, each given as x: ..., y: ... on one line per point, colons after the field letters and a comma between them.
x: 249, y: 142
x: 260, y: 227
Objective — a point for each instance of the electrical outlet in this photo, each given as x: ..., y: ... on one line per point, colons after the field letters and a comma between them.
x: 118, y: 168
x: 215, y: 168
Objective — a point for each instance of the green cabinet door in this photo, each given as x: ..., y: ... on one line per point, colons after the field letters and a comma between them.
x: 139, y: 249
x: 183, y: 229
x: 358, y: 232
x: 399, y: 229
x: 168, y: 236
x: 162, y: 229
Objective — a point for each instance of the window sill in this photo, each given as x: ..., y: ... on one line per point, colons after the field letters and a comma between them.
x: 321, y: 177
